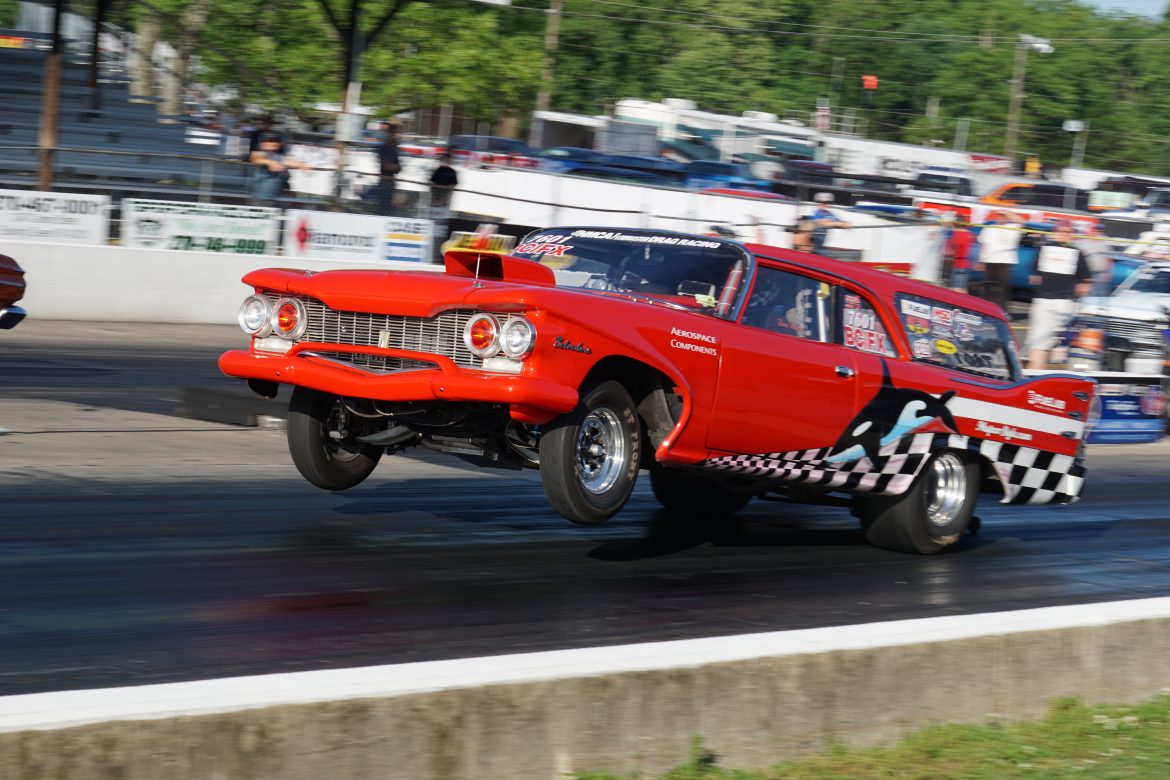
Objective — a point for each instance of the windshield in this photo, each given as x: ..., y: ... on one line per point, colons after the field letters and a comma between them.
x: 1150, y: 280
x: 695, y: 272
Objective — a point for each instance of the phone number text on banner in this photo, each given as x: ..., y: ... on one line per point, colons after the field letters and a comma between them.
x: 204, y: 227
x: 63, y: 218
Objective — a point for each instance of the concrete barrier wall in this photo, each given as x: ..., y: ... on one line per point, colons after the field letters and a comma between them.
x: 755, y: 699
x: 120, y: 284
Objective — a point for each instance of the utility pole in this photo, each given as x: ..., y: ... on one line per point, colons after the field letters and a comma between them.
x: 50, y: 103
x: 351, y: 92
x: 1016, y: 99
x: 101, y: 11
x: 552, y: 35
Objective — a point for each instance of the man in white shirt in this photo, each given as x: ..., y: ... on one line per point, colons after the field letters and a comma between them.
x: 999, y: 245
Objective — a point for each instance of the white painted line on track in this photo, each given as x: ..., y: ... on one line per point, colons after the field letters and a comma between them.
x: 63, y: 709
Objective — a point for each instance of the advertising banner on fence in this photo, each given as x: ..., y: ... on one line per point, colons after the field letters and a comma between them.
x: 333, y: 236
x: 60, y: 217
x: 206, y: 227
x: 1129, y: 410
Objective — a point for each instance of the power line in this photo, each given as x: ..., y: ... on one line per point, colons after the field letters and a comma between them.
x: 924, y: 38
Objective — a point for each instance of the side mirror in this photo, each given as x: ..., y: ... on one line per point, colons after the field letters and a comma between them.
x: 1141, y: 204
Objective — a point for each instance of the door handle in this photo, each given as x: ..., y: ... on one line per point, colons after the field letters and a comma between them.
x: 845, y: 372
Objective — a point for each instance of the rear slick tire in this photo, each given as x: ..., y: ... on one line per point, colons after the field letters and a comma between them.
x: 329, y: 463
x: 589, y: 457
x: 932, y: 515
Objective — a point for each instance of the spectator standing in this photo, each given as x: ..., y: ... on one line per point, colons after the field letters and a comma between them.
x: 1062, y: 275
x: 1099, y: 255
x: 802, y: 234
x: 382, y: 194
x: 958, y: 255
x: 264, y: 126
x: 444, y: 180
x: 272, y: 167
x: 823, y: 220
x: 999, y: 252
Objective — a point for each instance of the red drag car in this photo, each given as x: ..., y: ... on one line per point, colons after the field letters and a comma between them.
x: 726, y: 370
x: 11, y: 291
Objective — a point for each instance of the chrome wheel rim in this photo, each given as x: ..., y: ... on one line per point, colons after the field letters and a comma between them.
x: 601, y: 451
x: 946, y: 489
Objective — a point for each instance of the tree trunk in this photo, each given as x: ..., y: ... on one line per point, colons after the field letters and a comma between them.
x: 142, y: 74
x: 175, y: 80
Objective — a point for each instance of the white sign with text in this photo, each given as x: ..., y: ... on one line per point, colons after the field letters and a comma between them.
x: 205, y: 227
x: 60, y: 217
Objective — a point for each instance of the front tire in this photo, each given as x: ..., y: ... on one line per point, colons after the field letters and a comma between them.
x: 331, y: 462
x: 932, y: 515
x: 589, y: 457
x: 687, y: 493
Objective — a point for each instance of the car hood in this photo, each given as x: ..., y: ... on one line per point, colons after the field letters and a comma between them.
x: 472, y: 279
x: 1131, y: 306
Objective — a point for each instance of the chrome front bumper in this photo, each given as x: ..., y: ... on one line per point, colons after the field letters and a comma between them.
x: 10, y: 317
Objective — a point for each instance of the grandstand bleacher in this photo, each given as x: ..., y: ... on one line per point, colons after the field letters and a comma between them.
x: 125, y: 147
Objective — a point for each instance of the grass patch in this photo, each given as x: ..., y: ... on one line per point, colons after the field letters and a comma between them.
x: 1074, y: 740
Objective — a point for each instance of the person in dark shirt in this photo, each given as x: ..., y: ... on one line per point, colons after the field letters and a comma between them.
x: 272, y: 167
x: 382, y: 193
x: 444, y: 180
x: 264, y: 126
x: 1061, y: 275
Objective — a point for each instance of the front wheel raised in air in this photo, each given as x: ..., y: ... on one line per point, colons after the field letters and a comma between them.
x: 932, y: 514
x: 589, y: 457
x: 321, y: 443
x: 684, y: 492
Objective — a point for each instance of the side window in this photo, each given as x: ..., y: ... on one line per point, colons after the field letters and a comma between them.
x: 1017, y: 194
x: 958, y: 338
x: 861, y: 327
x: 789, y: 303
x: 1047, y: 195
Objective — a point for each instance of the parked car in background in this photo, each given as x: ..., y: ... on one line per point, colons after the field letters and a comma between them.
x: 726, y: 370
x: 627, y: 175
x: 659, y: 165
x: 810, y: 171
x: 1039, y: 194
x: 1135, y: 320
x: 421, y: 146
x: 939, y: 181
x: 11, y: 290
x: 491, y: 150
x: 702, y: 174
x: 1156, y: 203
x: 561, y: 158
x: 1121, y: 193
x: 740, y: 193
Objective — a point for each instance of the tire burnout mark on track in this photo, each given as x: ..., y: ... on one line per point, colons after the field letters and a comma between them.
x: 115, y: 575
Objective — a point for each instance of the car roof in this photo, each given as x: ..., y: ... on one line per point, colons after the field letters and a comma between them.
x: 883, y: 283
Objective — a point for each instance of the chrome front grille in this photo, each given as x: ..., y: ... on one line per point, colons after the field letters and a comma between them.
x: 441, y: 335
x: 1135, y: 331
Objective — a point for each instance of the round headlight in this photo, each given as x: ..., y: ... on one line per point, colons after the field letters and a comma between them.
x: 255, y: 316
x: 481, y: 334
x: 517, y: 338
x: 288, y: 318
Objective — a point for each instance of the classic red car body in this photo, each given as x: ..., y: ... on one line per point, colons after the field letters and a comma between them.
x: 718, y: 391
x: 11, y: 290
